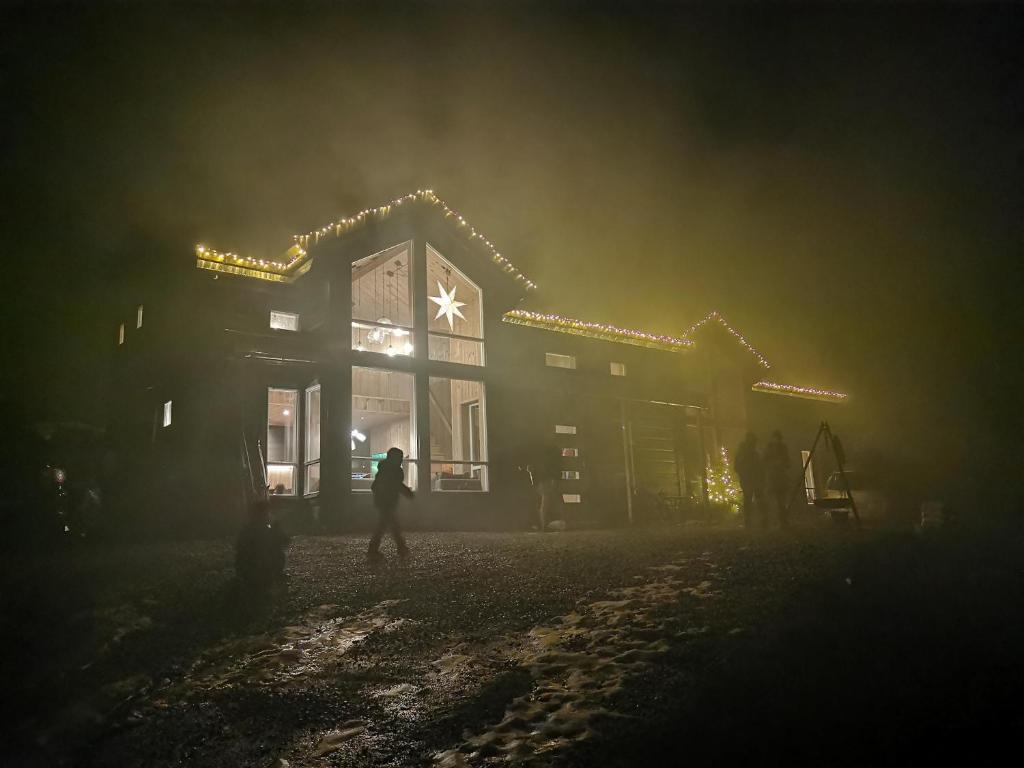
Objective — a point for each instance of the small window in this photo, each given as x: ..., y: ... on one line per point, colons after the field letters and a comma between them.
x: 570, y: 474
x: 120, y: 334
x: 167, y: 413
x: 284, y: 321
x: 553, y: 360
x: 618, y: 369
x: 570, y: 452
x: 138, y: 316
x: 571, y: 498
x: 564, y: 429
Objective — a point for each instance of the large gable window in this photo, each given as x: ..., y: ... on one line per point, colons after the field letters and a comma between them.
x: 455, y: 313
x: 382, y: 302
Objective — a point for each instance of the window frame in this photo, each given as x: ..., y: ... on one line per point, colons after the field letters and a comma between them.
x: 549, y: 356
x: 411, y: 461
x: 296, y: 463
x: 280, y: 313
x: 485, y: 463
x: 138, y: 317
x: 168, y: 414
x: 307, y: 463
x: 450, y: 333
x: 622, y: 371
x: 359, y: 323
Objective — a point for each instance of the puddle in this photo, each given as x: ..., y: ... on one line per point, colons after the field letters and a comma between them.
x: 577, y: 664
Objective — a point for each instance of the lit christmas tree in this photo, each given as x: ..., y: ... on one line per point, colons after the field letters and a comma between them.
x: 723, y: 485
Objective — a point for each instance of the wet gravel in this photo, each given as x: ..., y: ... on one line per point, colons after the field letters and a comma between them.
x: 150, y: 656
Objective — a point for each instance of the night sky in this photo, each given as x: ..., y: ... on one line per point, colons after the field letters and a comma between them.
x: 843, y: 184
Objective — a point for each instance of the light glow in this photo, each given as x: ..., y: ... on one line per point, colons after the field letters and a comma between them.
x: 603, y: 331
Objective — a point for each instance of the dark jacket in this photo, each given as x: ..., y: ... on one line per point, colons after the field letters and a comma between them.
x: 388, y: 484
x: 776, y: 463
x: 749, y: 466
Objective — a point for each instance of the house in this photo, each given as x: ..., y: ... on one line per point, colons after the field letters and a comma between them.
x: 404, y: 326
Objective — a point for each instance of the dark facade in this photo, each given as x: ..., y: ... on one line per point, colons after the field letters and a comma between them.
x: 400, y: 328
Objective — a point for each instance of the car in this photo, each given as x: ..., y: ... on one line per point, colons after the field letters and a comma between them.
x: 872, y: 503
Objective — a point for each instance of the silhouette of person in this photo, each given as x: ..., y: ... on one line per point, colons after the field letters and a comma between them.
x: 750, y: 470
x: 259, y: 551
x: 387, y: 486
x: 544, y: 473
x: 776, y: 468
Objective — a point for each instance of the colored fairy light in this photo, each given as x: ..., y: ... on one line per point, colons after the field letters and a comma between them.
x: 597, y: 330
x: 812, y: 393
x: 215, y: 260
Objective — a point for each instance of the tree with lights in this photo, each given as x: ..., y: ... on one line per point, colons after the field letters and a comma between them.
x: 722, y: 484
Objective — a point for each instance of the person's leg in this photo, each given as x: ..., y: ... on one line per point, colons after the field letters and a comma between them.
x: 378, y: 533
x: 396, y: 533
x: 780, y: 500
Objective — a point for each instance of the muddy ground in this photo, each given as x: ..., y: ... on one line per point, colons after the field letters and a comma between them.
x: 568, y: 649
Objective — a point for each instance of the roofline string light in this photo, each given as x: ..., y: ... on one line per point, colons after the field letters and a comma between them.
x: 811, y: 393
x: 716, y: 315
x: 210, y: 259
x: 597, y: 330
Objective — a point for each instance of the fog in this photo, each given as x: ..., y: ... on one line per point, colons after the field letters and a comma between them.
x: 843, y: 185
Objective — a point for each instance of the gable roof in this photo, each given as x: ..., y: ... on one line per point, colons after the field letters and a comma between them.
x: 296, y: 260
x: 684, y: 343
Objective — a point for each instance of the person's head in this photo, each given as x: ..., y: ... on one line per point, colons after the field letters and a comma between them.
x: 259, y: 511
x: 395, y: 455
x: 279, y: 489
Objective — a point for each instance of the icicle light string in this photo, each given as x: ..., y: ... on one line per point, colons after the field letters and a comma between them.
x: 596, y: 330
x: 345, y: 224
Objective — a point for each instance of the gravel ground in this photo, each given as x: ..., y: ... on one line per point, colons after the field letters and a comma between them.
x: 574, y: 649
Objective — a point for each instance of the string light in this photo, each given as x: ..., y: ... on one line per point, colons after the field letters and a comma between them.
x: 597, y: 330
x: 811, y: 393
x: 722, y: 484
x: 717, y: 317
x: 298, y: 252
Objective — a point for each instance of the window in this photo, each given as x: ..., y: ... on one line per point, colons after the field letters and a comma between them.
x: 570, y: 452
x: 167, y: 413
x: 311, y: 481
x: 138, y: 317
x: 618, y: 369
x: 382, y: 302
x: 282, y: 440
x: 564, y: 429
x: 383, y: 417
x: 284, y: 321
x: 120, y: 334
x: 458, y: 435
x: 570, y: 474
x: 571, y: 498
x: 455, y: 319
x: 553, y: 360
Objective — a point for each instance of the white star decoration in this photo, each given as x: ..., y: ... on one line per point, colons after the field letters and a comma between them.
x: 447, y: 305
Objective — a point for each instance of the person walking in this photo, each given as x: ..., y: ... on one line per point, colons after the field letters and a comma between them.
x: 544, y: 473
x: 387, y: 486
x: 750, y: 470
x: 776, y: 469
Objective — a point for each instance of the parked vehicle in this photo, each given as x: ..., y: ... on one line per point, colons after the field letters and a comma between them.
x: 872, y: 502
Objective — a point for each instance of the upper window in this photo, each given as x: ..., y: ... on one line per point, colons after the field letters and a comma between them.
x: 138, y: 316
x: 618, y: 369
x: 565, y: 429
x: 120, y: 334
x: 455, y: 313
x: 167, y: 413
x: 559, y: 361
x: 284, y: 321
x: 382, y: 302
